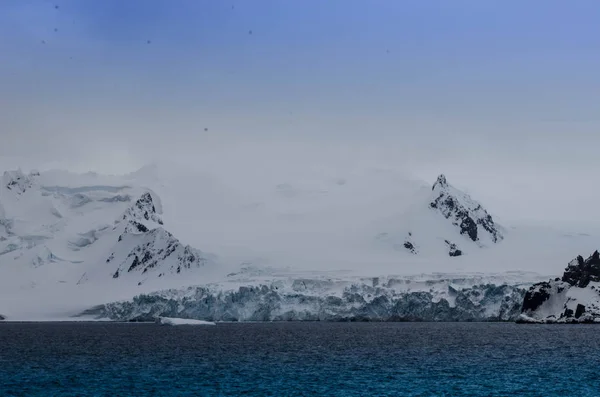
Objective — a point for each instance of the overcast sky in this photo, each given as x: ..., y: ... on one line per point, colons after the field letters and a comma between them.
x: 502, y: 96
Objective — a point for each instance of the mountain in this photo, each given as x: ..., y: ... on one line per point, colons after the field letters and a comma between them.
x: 99, y: 231
x: 145, y: 246
x: 574, y: 298
x: 448, y: 221
x: 299, y: 248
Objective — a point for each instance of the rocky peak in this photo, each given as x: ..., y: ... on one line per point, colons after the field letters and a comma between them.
x: 441, y: 182
x: 580, y: 272
x: 148, y: 246
x: 464, y: 212
x: 143, y: 210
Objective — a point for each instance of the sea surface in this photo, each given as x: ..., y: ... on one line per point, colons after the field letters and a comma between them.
x: 299, y: 359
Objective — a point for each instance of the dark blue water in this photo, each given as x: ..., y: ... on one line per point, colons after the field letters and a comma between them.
x: 279, y: 359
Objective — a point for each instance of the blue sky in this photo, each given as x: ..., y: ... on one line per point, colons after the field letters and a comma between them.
x: 465, y: 87
x: 460, y: 61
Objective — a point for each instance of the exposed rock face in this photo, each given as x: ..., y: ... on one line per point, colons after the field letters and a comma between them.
x: 156, y: 249
x: 574, y: 298
x: 453, y: 249
x: 410, y: 245
x: 536, y: 295
x: 143, y: 210
x: 469, y: 216
x: 144, y: 245
x: 581, y: 272
x: 305, y: 299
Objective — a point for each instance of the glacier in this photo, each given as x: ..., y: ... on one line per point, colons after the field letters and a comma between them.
x: 441, y: 297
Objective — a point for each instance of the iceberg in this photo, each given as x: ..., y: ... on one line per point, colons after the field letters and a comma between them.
x: 182, y: 321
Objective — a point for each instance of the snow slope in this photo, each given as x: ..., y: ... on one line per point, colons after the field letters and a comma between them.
x: 70, y: 242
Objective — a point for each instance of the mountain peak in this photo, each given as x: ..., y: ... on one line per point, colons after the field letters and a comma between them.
x: 441, y: 182
x: 464, y: 212
x: 143, y: 210
x: 581, y: 272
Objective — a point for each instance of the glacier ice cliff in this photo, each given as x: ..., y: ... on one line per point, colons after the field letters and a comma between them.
x: 303, y: 299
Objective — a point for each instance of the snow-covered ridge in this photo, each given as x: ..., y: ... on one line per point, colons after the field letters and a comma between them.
x: 574, y: 298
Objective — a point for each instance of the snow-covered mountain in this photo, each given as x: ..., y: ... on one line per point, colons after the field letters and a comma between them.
x: 573, y: 298
x: 287, y: 249
x: 93, y: 232
x: 445, y: 221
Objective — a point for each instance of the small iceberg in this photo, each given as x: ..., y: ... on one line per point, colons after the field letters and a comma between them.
x: 182, y: 321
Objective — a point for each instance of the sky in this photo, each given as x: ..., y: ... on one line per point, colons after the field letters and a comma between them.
x: 501, y: 96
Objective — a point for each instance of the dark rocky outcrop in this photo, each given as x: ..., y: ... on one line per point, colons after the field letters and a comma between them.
x: 453, y: 249
x: 574, y: 300
x: 580, y: 272
x: 410, y: 245
x: 535, y: 296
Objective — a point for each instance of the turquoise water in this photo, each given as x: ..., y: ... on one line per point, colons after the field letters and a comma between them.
x: 304, y: 359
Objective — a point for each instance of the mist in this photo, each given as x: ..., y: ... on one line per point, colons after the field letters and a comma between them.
x: 501, y: 98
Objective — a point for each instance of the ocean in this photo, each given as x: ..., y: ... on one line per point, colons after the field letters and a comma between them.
x: 299, y: 359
